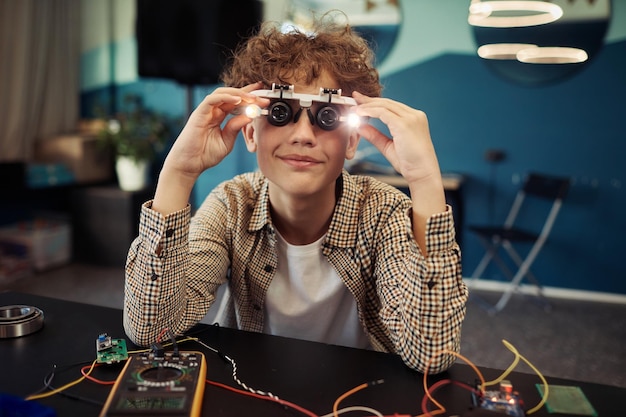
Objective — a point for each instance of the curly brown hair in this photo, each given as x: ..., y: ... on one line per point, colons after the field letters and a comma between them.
x: 274, y: 56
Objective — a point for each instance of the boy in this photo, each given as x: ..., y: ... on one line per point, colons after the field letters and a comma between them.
x: 307, y: 250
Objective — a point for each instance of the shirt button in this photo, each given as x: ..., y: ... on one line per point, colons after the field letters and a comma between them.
x: 256, y: 307
x: 431, y: 284
x: 268, y: 268
x: 169, y: 233
x: 154, y: 277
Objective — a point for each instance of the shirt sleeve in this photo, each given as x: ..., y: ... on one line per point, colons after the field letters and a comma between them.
x: 423, y: 298
x: 157, y: 284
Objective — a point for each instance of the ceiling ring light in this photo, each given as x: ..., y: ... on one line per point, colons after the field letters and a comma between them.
x: 502, y: 50
x: 564, y: 47
x: 552, y: 55
x: 532, y: 54
x: 536, y: 13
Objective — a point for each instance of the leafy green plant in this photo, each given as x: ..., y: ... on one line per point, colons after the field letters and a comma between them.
x: 138, y: 132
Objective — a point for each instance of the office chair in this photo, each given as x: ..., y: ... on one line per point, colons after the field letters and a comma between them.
x: 536, y: 187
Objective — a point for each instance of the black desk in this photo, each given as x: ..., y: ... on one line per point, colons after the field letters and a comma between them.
x: 311, y: 375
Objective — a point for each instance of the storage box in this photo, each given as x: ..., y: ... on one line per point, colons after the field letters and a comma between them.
x: 80, y: 153
x: 48, y: 175
x: 45, y: 243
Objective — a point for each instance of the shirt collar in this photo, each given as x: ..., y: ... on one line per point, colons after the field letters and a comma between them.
x: 342, y: 231
x: 261, y: 212
x: 343, y: 226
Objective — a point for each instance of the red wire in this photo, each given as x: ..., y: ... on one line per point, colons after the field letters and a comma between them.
x: 263, y: 397
x: 161, y: 333
x: 83, y: 371
x: 438, y: 385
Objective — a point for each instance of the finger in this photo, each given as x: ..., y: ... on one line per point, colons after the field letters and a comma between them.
x: 398, y: 121
x: 231, y: 95
x: 385, y: 146
x: 372, y: 104
x: 234, y: 125
x: 361, y: 98
x: 253, y: 86
x: 375, y: 137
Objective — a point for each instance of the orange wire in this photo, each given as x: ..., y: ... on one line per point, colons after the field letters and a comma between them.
x: 435, y: 387
x: 91, y: 378
x: 346, y: 394
x: 442, y: 409
x: 432, y: 413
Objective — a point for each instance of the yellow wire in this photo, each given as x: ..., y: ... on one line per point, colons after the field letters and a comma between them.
x: 186, y: 339
x: 63, y: 388
x: 544, y: 397
x: 79, y: 380
x: 506, y: 372
x: 518, y: 356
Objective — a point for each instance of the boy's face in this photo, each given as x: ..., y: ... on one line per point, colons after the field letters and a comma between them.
x: 301, y: 159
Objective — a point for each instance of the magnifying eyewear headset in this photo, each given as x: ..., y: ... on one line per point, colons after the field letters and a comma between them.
x: 280, y: 112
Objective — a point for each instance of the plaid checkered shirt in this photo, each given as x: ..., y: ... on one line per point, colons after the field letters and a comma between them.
x: 408, y: 304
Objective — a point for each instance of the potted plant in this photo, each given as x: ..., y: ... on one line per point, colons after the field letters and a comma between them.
x: 135, y: 137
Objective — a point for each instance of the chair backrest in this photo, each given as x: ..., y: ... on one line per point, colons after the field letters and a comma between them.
x: 543, y: 186
x: 546, y: 186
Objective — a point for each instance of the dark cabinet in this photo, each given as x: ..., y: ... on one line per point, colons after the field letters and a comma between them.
x: 105, y: 221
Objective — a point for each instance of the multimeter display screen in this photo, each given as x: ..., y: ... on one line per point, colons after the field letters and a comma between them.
x: 154, y: 402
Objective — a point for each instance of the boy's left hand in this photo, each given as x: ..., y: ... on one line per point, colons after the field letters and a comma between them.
x: 409, y: 149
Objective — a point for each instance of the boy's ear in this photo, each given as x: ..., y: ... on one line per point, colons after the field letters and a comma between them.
x: 353, y: 144
x: 248, y: 132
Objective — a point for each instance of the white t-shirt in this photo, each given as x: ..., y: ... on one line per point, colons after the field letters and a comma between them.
x: 307, y: 299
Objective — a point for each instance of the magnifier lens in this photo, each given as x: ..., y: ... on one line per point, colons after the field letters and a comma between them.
x: 327, y: 118
x: 279, y: 113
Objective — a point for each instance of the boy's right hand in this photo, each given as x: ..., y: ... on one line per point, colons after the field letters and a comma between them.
x: 203, y: 142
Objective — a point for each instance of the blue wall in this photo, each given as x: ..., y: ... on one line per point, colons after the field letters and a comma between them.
x: 574, y: 128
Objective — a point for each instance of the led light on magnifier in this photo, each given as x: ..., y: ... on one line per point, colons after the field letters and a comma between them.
x: 253, y: 111
x: 328, y: 118
x: 352, y: 119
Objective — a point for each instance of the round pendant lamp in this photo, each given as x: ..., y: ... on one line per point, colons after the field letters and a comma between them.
x: 538, y: 42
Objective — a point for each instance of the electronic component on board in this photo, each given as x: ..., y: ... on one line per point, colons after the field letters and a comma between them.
x: 109, y: 350
x: 168, y: 384
x: 504, y: 401
x: 103, y: 342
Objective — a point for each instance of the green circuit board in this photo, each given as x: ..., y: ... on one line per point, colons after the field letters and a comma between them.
x: 111, y: 350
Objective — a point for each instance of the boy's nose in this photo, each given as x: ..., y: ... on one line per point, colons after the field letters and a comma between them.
x: 304, y: 126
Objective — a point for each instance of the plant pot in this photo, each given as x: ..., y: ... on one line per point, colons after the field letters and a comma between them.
x: 132, y: 175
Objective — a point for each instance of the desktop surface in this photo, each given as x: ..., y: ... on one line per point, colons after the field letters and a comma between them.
x: 308, y: 374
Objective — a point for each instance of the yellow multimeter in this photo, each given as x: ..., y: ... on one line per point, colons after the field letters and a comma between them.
x: 168, y: 384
